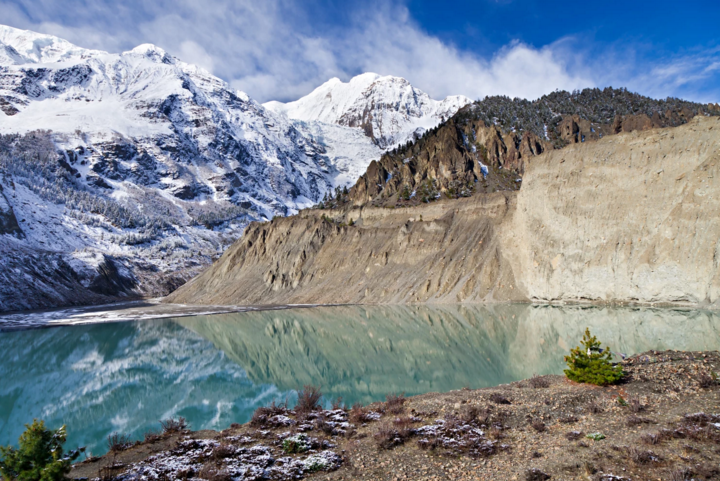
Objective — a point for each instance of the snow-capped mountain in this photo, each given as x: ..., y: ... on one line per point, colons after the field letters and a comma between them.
x: 129, y: 173
x: 135, y: 162
x: 388, y: 109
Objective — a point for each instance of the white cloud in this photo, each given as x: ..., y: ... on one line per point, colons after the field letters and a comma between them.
x: 271, y: 50
x: 193, y: 53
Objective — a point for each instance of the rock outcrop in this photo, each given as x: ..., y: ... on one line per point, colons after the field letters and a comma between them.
x: 8, y: 221
x: 455, y: 156
x: 629, y: 218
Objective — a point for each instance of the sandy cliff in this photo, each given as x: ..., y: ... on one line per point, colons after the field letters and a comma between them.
x: 631, y: 217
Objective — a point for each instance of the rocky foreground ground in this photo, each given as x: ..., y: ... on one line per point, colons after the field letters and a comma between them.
x: 661, y: 423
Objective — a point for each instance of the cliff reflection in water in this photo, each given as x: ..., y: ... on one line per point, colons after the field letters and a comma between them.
x: 217, y: 370
x: 363, y: 353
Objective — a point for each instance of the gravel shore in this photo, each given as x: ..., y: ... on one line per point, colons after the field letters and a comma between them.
x: 661, y: 423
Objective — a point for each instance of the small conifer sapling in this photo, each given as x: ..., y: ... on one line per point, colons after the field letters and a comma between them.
x: 591, y: 364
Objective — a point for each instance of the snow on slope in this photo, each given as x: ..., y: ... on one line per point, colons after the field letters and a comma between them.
x: 388, y: 109
x: 153, y: 167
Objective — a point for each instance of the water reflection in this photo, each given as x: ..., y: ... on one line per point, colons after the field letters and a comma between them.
x: 363, y: 353
x: 216, y: 370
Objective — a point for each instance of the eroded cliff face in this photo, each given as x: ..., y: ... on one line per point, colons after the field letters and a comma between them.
x: 633, y: 217
x: 629, y: 218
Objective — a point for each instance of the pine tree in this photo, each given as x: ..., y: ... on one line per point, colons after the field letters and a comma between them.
x: 591, y: 364
x: 39, y: 457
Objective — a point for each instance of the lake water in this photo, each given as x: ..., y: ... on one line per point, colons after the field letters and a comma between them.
x: 215, y: 370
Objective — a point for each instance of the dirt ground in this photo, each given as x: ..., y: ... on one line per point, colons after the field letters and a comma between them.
x: 661, y: 423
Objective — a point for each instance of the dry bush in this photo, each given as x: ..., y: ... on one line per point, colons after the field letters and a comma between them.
x: 395, y: 404
x: 308, y: 399
x: 706, y: 380
x: 538, y: 382
x: 538, y: 425
x: 321, y: 424
x: 641, y: 456
x: 594, y: 408
x: 636, y: 406
x: 262, y: 414
x: 650, y: 438
x: 498, y: 398
x: 118, y: 442
x: 681, y: 474
x: 535, y: 474
x: 633, y: 421
x: 495, y: 433
x: 337, y: 403
x: 358, y: 414
x: 388, y: 437
x: 574, y: 435
x: 151, y: 436
x: 170, y: 426
x: 569, y: 419
x: 212, y: 473
x: 470, y: 414
x: 223, y: 451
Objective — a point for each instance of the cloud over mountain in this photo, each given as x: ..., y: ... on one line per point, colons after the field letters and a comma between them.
x: 279, y: 50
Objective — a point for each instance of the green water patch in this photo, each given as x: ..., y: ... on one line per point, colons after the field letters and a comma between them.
x: 215, y: 370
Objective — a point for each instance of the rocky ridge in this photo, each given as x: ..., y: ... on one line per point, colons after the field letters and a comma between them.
x: 622, y: 219
x: 486, y: 146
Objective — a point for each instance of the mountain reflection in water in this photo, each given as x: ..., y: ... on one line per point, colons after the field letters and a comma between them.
x: 363, y: 353
x: 215, y: 370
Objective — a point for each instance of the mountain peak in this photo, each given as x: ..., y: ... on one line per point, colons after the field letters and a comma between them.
x: 33, y: 47
x: 388, y: 109
x: 152, y: 52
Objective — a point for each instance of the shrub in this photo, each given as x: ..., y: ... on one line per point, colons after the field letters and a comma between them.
x: 535, y: 474
x: 298, y: 443
x: 262, y: 414
x: 118, y: 442
x: 538, y: 382
x: 388, y: 437
x: 568, y: 419
x: 636, y: 406
x: 707, y: 380
x: 308, y: 399
x: 395, y: 404
x: 574, y: 435
x: 171, y: 425
x: 590, y: 364
x: 538, y: 425
x: 39, y: 455
x: 498, y: 398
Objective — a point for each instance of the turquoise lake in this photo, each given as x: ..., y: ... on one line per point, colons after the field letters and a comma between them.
x: 216, y: 370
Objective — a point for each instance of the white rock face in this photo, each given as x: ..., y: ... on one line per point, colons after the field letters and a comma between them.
x: 388, y: 109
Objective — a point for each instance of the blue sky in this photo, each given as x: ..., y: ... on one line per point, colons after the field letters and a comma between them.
x: 282, y: 49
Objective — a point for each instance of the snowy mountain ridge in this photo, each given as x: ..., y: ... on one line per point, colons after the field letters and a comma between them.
x: 388, y: 109
x: 129, y: 173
